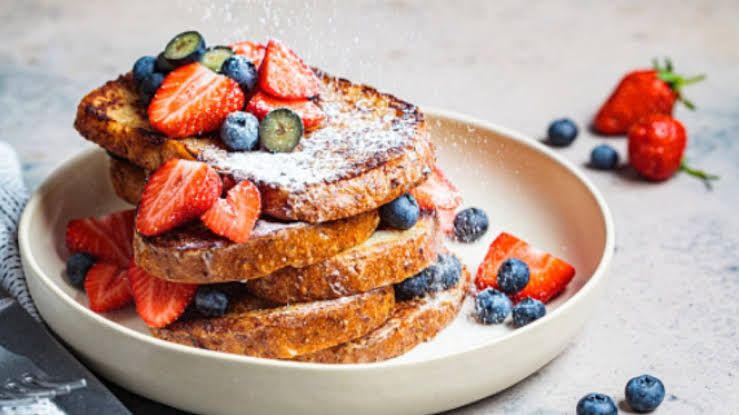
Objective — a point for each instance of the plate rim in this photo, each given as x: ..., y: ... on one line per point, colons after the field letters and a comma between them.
x: 598, y: 276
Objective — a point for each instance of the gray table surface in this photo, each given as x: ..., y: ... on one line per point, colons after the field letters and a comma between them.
x: 671, y: 307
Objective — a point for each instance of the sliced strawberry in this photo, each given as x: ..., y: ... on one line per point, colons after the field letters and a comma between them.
x: 193, y: 100
x: 446, y: 220
x: 311, y: 114
x: 107, y: 238
x: 254, y: 51
x: 158, y: 302
x: 437, y: 192
x: 283, y: 74
x: 107, y: 288
x: 234, y: 217
x: 549, y: 275
x: 176, y: 193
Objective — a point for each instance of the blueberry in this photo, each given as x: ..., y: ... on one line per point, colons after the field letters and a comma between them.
x: 492, y: 306
x: 562, y: 132
x: 596, y: 404
x: 144, y: 66
x: 241, y: 70
x: 513, y: 275
x: 77, y: 267
x: 604, y: 157
x: 445, y: 272
x: 149, y: 85
x: 210, y: 301
x: 528, y: 310
x: 644, y: 393
x: 470, y: 224
x: 415, y: 286
x: 240, y: 131
x: 401, y: 213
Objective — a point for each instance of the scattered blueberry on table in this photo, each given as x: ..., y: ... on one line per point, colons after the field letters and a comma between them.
x: 604, y: 157
x: 210, y: 301
x: 401, y: 213
x: 596, y: 404
x: 513, y: 276
x: 492, y: 306
x: 561, y: 132
x: 240, y: 131
x: 77, y: 267
x: 528, y: 310
x: 470, y: 224
x: 644, y: 393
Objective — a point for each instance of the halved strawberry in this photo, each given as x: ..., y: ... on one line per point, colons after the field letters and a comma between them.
x: 158, y: 302
x: 548, y: 275
x: 234, y: 217
x: 437, y: 192
x: 193, y: 100
x: 107, y: 288
x: 254, y: 51
x: 107, y: 238
x: 178, y: 192
x: 283, y: 74
x: 311, y: 114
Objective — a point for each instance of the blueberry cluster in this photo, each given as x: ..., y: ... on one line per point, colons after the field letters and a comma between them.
x: 494, y: 306
x: 643, y: 394
x: 562, y: 132
x: 442, y: 275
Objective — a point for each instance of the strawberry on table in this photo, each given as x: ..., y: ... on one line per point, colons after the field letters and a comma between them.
x: 283, y: 73
x: 254, y: 51
x: 107, y: 287
x: 193, y: 100
x: 641, y: 93
x: 107, y: 238
x: 158, y: 302
x: 234, y: 217
x: 311, y: 114
x: 548, y: 276
x: 176, y: 193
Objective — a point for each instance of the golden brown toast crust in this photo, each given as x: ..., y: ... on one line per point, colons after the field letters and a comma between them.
x: 411, y: 323
x: 387, y: 257
x: 287, y: 331
x: 372, y: 148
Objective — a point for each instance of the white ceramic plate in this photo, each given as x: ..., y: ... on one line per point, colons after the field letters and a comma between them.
x: 525, y: 188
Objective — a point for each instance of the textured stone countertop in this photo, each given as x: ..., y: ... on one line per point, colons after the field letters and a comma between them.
x: 671, y: 307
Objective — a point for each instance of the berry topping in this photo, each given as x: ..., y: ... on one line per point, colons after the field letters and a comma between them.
x: 528, y: 310
x: 446, y: 272
x: 211, y: 302
x: 176, y: 193
x: 470, y: 224
x: 234, y: 217
x: 163, y: 65
x: 437, y: 192
x: 401, y: 213
x: 77, y: 267
x: 283, y: 74
x: 513, y: 275
x: 548, y: 275
x: 492, y: 306
x: 562, y: 132
x: 240, y: 131
x: 414, y: 287
x: 158, y: 302
x: 596, y: 404
x: 193, y: 100
x: 311, y: 114
x: 280, y: 130
x: 644, y: 393
x: 215, y: 56
x: 149, y: 86
x: 107, y: 288
x: 143, y: 67
x: 242, y: 70
x: 108, y: 238
x: 187, y: 47
x: 604, y: 157
x: 251, y: 50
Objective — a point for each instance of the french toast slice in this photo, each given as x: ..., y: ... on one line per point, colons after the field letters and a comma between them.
x: 253, y: 328
x: 387, y: 257
x: 411, y: 323
x: 194, y: 254
x: 371, y: 148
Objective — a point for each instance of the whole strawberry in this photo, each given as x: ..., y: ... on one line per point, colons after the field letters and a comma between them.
x: 656, y: 146
x: 641, y: 93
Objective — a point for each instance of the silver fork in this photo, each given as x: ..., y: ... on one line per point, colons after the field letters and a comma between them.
x: 29, y: 388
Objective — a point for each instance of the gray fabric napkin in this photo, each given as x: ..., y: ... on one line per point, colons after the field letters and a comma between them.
x: 13, y: 197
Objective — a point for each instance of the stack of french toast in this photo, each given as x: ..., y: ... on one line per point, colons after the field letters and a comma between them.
x: 313, y: 249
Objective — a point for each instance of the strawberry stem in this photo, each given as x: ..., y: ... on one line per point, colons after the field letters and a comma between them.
x: 697, y: 173
x: 676, y: 81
